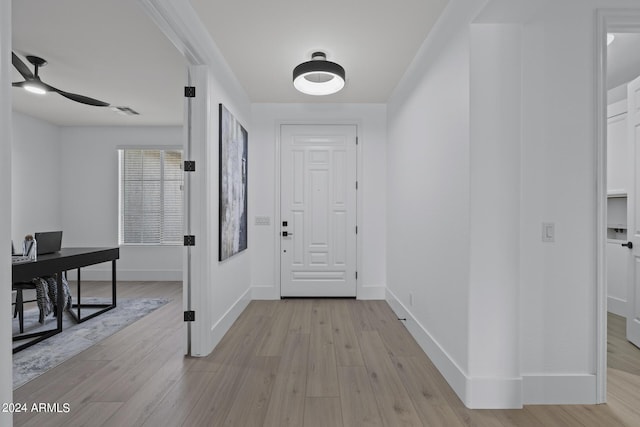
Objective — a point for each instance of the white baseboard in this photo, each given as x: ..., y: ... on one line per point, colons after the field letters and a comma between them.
x: 371, y: 292
x: 475, y: 393
x: 223, y: 324
x: 617, y: 306
x: 559, y: 389
x: 128, y: 275
x: 451, y: 372
x: 494, y: 393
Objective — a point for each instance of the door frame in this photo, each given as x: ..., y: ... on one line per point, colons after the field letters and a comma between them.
x: 607, y: 20
x: 278, y: 170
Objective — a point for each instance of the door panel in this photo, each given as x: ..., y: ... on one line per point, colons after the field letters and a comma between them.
x: 633, y: 214
x: 318, y: 205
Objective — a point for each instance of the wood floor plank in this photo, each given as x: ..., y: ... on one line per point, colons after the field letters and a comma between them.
x: 359, y: 405
x: 286, y: 405
x: 135, y: 411
x: 322, y: 412
x: 181, y: 398
x: 322, y: 375
x: 381, y: 380
x: 251, y: 408
x: 431, y: 405
x: 301, y: 317
x: 344, y: 335
x: 276, y: 334
x: 92, y: 413
x: 394, y: 403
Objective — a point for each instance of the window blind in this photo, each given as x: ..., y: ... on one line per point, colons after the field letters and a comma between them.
x: 151, y: 196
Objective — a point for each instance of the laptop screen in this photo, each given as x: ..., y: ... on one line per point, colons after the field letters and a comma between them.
x: 48, y: 242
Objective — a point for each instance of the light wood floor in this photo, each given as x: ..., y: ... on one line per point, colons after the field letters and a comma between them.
x: 289, y: 363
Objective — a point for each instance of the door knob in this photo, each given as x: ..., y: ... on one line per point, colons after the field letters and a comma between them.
x: 628, y: 244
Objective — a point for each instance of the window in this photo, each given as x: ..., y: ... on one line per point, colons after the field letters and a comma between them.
x: 150, y: 196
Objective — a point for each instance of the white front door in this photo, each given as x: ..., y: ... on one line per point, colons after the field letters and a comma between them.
x: 318, y: 210
x: 633, y: 213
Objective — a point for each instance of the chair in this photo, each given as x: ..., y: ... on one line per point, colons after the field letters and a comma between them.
x: 18, y: 310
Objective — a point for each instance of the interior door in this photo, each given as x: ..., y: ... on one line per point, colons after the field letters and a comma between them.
x: 633, y: 213
x: 318, y: 210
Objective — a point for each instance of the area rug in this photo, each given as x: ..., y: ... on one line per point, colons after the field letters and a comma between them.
x: 75, y: 337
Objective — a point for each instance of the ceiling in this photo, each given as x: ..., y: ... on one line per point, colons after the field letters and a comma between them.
x: 111, y: 50
x: 623, y: 59
x: 105, y: 49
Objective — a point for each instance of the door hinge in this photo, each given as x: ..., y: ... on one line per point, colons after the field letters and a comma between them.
x: 189, y: 165
x: 356, y: 275
x: 190, y: 316
x: 356, y: 140
x: 356, y: 185
x: 189, y: 91
x: 356, y: 229
x: 189, y: 240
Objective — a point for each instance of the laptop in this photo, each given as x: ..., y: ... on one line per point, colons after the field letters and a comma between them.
x: 48, y: 242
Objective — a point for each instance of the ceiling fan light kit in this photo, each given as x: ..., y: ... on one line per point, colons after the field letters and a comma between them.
x: 318, y: 76
x: 33, y: 84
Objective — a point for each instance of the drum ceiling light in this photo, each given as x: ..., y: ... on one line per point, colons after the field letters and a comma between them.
x: 318, y: 76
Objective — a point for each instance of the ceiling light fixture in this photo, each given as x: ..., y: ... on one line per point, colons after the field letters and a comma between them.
x: 318, y: 76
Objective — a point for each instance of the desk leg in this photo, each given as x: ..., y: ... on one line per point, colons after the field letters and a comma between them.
x: 113, y: 282
x: 78, y: 294
x: 60, y: 299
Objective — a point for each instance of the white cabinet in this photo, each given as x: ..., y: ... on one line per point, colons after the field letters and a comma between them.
x: 618, y: 168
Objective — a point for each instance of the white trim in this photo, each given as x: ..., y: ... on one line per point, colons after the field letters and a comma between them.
x: 225, y: 322
x: 559, y: 389
x: 607, y: 20
x: 449, y: 369
x: 493, y: 393
x: 617, y: 306
x: 6, y: 125
x: 276, y: 237
x: 475, y: 393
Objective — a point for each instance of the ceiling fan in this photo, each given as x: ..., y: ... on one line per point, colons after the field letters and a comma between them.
x: 32, y: 81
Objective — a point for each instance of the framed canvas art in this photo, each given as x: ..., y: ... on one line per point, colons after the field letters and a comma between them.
x: 233, y: 185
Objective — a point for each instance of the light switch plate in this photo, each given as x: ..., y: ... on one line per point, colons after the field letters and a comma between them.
x: 548, y: 232
x: 263, y: 220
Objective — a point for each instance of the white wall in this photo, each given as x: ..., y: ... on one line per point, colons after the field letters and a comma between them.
x: 6, y: 391
x: 428, y: 195
x: 371, y: 122
x: 428, y: 122
x: 35, y: 178
x: 495, y: 123
x: 89, y: 196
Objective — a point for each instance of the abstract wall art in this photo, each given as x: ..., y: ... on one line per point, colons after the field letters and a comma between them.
x: 233, y: 185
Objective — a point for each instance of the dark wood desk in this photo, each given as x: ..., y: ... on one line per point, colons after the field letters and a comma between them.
x: 54, y: 265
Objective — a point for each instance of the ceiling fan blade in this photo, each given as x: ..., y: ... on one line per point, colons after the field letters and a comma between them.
x: 79, y: 98
x: 21, y: 67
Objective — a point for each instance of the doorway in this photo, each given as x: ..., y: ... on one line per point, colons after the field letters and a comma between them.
x: 617, y: 195
x: 318, y: 226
